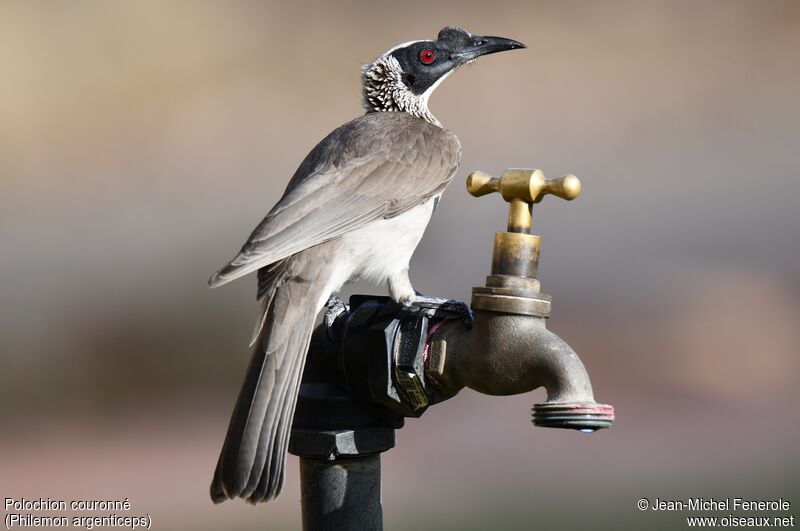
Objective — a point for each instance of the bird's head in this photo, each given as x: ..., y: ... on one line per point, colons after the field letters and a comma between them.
x: 404, y: 77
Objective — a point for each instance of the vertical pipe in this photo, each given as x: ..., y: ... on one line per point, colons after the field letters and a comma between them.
x: 342, y: 494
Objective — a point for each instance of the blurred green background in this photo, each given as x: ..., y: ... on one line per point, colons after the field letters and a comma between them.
x: 140, y: 142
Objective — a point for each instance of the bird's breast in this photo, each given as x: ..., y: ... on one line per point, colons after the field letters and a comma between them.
x: 384, y: 247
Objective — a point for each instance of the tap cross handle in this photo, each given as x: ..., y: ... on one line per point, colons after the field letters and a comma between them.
x: 522, y: 188
x: 528, y: 185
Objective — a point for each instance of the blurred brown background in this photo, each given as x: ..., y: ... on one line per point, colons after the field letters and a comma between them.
x: 140, y: 142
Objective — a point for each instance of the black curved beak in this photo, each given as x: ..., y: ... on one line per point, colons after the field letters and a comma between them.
x: 486, y: 45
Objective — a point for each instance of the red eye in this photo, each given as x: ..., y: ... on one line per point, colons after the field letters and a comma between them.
x: 427, y: 56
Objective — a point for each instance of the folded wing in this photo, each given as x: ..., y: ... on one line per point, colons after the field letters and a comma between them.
x: 376, y: 166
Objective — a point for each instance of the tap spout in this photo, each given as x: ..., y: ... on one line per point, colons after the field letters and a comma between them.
x: 507, y: 353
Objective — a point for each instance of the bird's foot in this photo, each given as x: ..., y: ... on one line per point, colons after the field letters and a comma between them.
x: 333, y: 309
x: 442, y: 307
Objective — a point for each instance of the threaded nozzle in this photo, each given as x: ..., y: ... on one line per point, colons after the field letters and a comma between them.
x: 586, y: 417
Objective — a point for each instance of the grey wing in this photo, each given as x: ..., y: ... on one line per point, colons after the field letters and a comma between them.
x: 372, y: 168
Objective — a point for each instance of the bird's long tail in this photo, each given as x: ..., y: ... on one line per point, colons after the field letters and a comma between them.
x: 252, y: 459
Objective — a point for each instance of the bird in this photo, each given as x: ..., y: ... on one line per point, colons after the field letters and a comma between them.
x: 356, y: 207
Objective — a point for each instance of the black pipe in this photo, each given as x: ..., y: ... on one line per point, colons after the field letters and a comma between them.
x: 339, y: 439
x: 342, y: 494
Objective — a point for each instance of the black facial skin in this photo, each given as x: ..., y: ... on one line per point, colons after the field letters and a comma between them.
x: 452, y: 48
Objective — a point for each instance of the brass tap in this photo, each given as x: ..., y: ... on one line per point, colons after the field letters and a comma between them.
x: 513, y: 286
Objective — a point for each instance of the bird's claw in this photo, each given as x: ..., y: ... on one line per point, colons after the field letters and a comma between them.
x: 441, y: 307
x: 334, y: 308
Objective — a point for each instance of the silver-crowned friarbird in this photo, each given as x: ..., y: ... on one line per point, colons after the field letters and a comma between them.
x: 355, y: 208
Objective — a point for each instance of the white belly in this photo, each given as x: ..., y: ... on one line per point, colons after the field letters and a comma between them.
x: 383, y: 248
